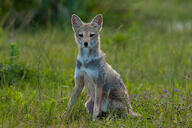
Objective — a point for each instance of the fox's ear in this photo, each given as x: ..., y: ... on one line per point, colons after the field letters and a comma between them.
x: 97, y: 22
x: 76, y: 22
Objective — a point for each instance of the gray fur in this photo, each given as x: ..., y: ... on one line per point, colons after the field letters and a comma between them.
x: 106, y: 89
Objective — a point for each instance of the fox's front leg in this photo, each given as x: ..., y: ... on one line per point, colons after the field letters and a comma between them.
x: 97, y: 100
x: 79, y: 84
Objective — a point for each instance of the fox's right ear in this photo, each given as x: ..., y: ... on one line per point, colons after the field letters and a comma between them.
x: 76, y: 22
x: 97, y: 22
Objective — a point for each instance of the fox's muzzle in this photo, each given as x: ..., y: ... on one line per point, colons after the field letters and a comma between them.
x: 86, y: 44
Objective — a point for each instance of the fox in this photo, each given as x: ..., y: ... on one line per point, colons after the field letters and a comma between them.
x: 106, y: 91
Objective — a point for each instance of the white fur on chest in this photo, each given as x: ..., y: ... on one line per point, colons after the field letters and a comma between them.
x: 86, y: 57
x: 88, y: 75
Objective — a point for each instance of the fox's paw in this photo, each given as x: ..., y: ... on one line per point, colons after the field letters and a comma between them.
x: 94, y: 118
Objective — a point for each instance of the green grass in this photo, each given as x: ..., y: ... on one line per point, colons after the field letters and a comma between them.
x: 151, y: 61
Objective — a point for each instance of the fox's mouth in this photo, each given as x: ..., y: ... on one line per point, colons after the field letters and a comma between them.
x: 86, y: 47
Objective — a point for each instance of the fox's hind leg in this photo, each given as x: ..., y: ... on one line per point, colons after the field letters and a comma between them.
x: 120, y: 109
x: 119, y: 101
x: 89, y: 105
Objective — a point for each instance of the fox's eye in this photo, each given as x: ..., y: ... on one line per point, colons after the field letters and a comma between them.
x: 81, y: 35
x: 91, y: 35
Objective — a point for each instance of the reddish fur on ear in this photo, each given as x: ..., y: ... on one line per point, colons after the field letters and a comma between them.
x: 76, y: 21
x: 97, y: 21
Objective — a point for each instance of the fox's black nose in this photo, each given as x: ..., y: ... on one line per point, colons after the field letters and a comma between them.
x: 85, y: 44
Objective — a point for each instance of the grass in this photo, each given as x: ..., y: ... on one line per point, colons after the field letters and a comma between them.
x: 154, y: 63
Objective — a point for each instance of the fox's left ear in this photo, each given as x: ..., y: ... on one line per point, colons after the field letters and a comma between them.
x: 76, y: 22
x: 97, y: 22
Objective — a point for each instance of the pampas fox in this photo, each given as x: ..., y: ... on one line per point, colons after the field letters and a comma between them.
x: 106, y: 90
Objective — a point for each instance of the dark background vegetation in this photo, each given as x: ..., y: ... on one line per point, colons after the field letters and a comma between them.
x: 24, y: 13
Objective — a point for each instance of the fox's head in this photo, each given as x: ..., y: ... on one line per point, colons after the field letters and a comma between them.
x: 87, y: 34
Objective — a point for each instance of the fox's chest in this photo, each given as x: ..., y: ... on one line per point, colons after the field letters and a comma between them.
x: 90, y: 76
x: 88, y: 70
